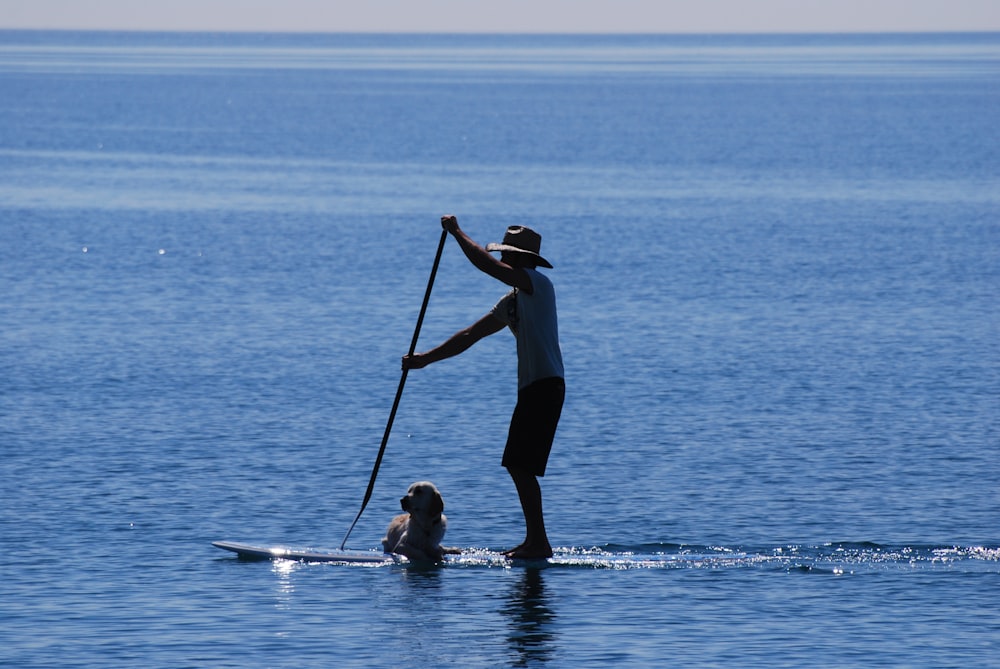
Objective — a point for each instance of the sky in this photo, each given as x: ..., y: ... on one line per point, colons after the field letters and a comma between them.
x: 531, y: 16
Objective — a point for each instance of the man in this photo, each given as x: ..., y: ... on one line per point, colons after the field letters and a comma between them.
x: 529, y: 310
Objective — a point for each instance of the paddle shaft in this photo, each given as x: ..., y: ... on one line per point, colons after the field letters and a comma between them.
x: 399, y: 390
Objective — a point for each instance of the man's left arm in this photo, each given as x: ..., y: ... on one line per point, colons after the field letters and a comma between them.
x: 515, y: 277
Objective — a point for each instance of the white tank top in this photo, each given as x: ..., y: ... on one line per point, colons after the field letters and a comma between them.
x: 532, y: 319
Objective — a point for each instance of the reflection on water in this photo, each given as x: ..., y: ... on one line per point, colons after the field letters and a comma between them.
x: 284, y: 588
x: 531, y: 620
x: 421, y: 580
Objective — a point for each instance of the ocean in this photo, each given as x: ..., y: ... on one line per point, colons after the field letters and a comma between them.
x: 777, y: 264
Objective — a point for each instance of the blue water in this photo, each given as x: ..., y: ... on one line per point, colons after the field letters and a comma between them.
x: 777, y: 262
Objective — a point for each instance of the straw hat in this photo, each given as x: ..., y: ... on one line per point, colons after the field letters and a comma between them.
x: 521, y: 239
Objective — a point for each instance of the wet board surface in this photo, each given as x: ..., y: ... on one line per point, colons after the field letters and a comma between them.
x: 476, y: 557
x: 250, y: 552
x: 471, y: 557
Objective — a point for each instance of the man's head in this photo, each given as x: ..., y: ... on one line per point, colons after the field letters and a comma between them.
x: 521, y: 245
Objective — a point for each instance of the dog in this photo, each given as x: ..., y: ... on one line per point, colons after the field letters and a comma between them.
x: 417, y: 534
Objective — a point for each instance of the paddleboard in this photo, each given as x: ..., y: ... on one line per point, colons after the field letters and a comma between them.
x: 473, y: 557
x: 249, y: 552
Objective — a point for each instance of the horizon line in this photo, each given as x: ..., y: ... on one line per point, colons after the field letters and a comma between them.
x: 596, y: 33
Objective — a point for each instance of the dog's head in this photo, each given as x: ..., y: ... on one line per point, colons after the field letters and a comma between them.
x: 423, y: 501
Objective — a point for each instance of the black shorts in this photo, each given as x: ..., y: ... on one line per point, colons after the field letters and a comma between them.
x: 533, y: 425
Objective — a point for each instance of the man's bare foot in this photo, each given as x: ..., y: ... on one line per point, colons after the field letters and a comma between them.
x: 524, y: 552
x: 513, y: 550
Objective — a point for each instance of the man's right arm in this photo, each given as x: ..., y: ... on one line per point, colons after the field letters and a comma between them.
x: 457, y: 343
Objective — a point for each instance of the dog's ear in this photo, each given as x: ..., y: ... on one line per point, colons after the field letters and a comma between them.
x: 437, y: 504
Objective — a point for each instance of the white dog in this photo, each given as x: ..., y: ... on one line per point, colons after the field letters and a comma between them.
x: 417, y: 534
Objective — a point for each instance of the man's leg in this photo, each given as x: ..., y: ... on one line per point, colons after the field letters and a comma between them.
x: 536, y: 542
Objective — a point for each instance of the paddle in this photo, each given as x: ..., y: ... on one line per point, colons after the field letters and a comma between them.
x: 399, y: 390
